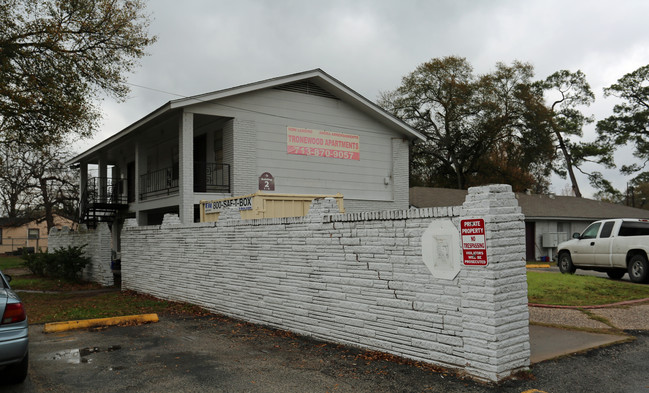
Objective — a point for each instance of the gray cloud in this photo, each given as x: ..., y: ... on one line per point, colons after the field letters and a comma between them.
x: 207, y: 45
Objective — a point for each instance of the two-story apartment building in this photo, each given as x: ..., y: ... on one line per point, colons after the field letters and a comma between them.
x: 308, y: 131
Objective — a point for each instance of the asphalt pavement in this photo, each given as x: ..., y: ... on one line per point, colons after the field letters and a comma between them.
x: 216, y: 354
x: 596, y: 350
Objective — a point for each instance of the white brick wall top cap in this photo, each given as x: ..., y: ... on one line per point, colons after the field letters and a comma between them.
x: 170, y: 219
x: 491, y: 188
x: 130, y: 222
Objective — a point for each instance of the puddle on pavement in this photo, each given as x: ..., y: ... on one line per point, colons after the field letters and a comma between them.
x: 77, y: 356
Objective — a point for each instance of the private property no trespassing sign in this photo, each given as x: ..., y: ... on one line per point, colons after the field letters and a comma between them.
x: 474, y: 243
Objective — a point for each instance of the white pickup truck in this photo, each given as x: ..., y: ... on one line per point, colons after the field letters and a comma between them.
x: 613, y: 246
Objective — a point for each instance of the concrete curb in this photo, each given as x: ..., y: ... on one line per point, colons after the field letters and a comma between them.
x: 86, y: 323
x: 625, y: 303
x: 538, y: 266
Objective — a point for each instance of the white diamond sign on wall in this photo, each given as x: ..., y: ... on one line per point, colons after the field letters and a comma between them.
x: 440, y: 249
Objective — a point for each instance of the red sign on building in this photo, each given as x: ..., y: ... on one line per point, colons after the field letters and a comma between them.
x: 474, y: 243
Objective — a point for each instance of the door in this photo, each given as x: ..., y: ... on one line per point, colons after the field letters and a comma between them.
x: 530, y: 241
x: 200, y: 163
x: 583, y: 253
x: 602, y: 247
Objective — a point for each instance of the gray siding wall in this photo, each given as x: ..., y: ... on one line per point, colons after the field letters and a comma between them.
x: 259, y: 137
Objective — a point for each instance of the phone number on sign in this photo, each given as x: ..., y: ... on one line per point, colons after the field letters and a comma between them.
x: 312, y: 151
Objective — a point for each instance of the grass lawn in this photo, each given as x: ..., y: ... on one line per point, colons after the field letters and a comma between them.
x: 43, y: 308
x: 10, y: 262
x: 70, y: 304
x: 573, y: 290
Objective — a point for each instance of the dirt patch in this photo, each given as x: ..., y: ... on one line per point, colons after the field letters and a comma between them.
x: 17, y: 271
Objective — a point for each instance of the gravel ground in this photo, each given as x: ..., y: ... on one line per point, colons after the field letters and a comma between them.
x: 628, y: 317
x: 633, y: 317
x: 564, y: 317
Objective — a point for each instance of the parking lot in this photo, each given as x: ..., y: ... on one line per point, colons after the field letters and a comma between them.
x: 222, y: 355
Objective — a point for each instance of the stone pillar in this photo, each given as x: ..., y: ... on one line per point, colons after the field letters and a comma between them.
x: 495, y: 322
x: 244, y: 176
x: 186, y: 163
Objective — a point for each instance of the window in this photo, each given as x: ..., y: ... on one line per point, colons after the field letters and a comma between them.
x: 634, y: 228
x: 607, y: 228
x: 591, y: 231
x: 33, y: 233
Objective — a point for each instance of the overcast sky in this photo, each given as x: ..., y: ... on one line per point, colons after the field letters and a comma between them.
x: 207, y: 45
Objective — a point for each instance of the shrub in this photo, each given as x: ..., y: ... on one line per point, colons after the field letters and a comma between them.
x: 66, y: 263
x: 35, y: 262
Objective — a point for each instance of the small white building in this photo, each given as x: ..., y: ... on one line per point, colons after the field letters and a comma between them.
x: 549, y: 219
x: 305, y: 133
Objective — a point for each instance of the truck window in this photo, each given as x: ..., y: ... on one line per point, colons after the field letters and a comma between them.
x: 591, y: 231
x: 634, y: 228
x: 607, y: 228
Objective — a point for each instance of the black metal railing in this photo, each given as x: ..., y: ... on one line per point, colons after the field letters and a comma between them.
x: 208, y: 177
x: 100, y: 200
x: 161, y: 182
x: 211, y: 177
x: 105, y: 190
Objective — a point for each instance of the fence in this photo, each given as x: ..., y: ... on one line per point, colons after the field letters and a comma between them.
x: 16, y: 245
x: 391, y: 281
x: 358, y: 279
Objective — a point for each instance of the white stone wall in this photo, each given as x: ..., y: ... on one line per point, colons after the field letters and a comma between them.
x: 98, y: 246
x: 355, y: 278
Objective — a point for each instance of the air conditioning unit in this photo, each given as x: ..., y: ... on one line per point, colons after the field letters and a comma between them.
x: 550, y: 240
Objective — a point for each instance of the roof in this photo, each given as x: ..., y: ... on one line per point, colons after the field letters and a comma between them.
x: 534, y: 206
x: 317, y: 76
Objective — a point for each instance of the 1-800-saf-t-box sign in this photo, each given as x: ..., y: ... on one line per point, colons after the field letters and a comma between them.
x: 474, y: 242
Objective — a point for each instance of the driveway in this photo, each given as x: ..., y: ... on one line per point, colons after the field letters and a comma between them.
x: 210, y: 354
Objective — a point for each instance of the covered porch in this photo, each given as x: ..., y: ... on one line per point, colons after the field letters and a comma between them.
x: 164, y: 163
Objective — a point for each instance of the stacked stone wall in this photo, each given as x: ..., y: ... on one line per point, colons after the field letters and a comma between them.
x: 355, y: 278
x: 97, y: 244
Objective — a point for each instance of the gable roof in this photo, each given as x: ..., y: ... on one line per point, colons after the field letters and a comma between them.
x: 534, y: 206
x: 326, y: 84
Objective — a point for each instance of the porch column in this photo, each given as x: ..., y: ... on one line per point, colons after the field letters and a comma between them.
x: 116, y: 187
x: 186, y: 163
x: 103, y: 176
x: 138, y: 185
x: 83, y: 187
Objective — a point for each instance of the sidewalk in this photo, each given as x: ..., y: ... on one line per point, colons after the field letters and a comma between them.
x: 556, y: 332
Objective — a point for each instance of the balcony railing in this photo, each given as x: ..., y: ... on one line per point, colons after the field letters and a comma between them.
x: 211, y: 177
x: 208, y: 177
x: 158, y: 183
x: 105, y: 190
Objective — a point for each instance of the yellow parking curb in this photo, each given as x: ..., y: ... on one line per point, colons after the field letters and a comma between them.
x: 86, y: 323
x: 538, y: 266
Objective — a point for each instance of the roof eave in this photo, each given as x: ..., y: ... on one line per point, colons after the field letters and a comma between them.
x: 331, y: 82
x: 158, y: 112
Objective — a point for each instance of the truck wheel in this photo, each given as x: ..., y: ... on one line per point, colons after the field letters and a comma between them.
x: 638, y: 268
x: 616, y: 274
x: 565, y: 263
